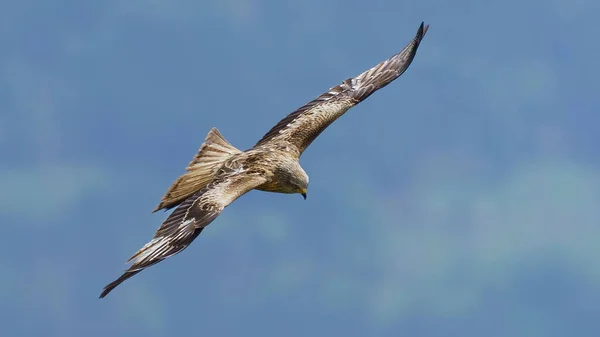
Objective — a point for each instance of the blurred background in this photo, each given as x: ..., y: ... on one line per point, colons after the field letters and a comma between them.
x: 461, y: 200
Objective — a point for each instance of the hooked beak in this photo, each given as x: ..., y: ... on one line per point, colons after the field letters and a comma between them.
x: 303, y: 193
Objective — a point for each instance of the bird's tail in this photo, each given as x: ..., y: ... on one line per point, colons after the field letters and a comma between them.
x: 200, y: 171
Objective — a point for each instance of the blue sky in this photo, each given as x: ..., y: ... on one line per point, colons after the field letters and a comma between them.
x: 461, y: 200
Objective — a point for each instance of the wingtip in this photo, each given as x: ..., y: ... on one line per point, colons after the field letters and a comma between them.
x: 105, y: 292
x: 423, y: 29
x: 111, y: 286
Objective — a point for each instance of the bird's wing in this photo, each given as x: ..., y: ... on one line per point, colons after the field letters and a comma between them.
x: 302, y: 126
x: 187, y: 221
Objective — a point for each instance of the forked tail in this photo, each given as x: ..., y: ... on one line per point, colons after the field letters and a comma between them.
x: 200, y: 171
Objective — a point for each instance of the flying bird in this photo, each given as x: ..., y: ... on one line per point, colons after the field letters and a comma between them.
x: 220, y: 173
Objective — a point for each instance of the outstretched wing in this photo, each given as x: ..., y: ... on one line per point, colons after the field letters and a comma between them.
x: 187, y: 221
x: 302, y: 126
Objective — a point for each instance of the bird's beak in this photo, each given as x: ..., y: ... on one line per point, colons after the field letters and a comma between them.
x: 303, y: 192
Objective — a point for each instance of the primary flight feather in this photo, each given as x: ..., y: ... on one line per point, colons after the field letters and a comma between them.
x: 220, y: 173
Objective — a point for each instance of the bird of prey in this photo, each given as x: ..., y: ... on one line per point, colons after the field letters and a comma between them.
x: 220, y: 173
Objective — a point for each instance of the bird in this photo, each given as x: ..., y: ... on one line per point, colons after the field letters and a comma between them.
x: 220, y: 173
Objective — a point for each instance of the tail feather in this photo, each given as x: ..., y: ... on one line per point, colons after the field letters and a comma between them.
x: 200, y: 171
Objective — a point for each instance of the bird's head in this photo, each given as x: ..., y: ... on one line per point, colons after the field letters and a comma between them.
x: 300, y: 182
x: 303, y: 192
x: 298, y: 179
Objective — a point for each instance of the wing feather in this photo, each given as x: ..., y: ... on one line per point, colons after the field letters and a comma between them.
x: 302, y: 126
x: 187, y: 221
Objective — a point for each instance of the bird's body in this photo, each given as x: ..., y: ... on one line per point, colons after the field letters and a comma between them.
x: 220, y: 173
x: 279, y: 167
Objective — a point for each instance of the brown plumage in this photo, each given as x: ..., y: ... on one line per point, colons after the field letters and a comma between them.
x: 220, y: 173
